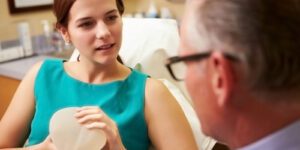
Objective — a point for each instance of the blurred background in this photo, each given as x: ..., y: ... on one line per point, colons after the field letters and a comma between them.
x: 33, y: 16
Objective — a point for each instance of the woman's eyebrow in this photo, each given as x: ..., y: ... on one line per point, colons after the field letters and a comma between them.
x: 111, y: 11
x: 87, y: 18
x: 82, y: 19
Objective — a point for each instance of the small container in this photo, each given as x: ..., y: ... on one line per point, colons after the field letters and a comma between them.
x: 152, y: 11
x: 165, y: 13
x: 25, y: 38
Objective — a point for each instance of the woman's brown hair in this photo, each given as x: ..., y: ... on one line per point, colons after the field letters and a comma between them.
x: 61, y: 10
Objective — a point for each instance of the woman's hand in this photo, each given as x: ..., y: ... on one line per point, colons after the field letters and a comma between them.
x: 47, y: 144
x: 92, y: 117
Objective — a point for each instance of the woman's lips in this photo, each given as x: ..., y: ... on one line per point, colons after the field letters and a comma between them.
x: 105, y: 47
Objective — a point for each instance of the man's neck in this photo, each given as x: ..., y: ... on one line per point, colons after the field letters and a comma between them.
x: 258, y: 124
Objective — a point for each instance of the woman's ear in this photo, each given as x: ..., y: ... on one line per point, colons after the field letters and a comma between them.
x: 64, y: 32
x: 222, y: 78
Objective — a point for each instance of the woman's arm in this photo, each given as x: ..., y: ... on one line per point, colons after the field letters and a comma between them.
x: 15, y: 124
x: 168, y: 128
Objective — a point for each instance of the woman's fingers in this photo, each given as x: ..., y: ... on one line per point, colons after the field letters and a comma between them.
x: 84, y: 112
x: 96, y: 125
x: 90, y: 118
x: 91, y: 114
x: 47, y: 144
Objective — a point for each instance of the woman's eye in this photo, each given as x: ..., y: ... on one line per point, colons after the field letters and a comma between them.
x: 112, y: 18
x: 86, y: 24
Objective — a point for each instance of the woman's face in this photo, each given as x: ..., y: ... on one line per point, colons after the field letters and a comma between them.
x: 95, y: 29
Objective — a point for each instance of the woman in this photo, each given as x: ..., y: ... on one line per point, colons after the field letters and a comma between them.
x: 133, y: 110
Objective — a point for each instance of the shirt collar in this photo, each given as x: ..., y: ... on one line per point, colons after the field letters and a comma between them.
x: 281, y: 139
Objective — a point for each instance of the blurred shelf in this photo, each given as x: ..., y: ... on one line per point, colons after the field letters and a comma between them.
x: 65, y: 54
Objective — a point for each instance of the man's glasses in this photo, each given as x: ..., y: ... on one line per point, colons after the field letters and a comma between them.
x: 177, y: 67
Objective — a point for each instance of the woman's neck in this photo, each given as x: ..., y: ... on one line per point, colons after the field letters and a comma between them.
x: 96, y: 73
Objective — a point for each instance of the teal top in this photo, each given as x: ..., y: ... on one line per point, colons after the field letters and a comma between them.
x: 121, y: 100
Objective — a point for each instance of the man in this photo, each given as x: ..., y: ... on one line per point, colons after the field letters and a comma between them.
x: 243, y: 70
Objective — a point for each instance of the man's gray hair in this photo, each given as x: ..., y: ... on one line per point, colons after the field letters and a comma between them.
x: 266, y: 32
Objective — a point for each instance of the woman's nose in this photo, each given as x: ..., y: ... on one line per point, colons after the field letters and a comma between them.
x: 102, y: 31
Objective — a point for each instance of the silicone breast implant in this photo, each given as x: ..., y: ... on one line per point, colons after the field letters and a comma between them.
x: 67, y: 134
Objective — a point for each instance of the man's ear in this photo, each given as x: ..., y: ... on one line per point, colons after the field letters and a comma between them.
x: 222, y: 78
x: 64, y: 32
